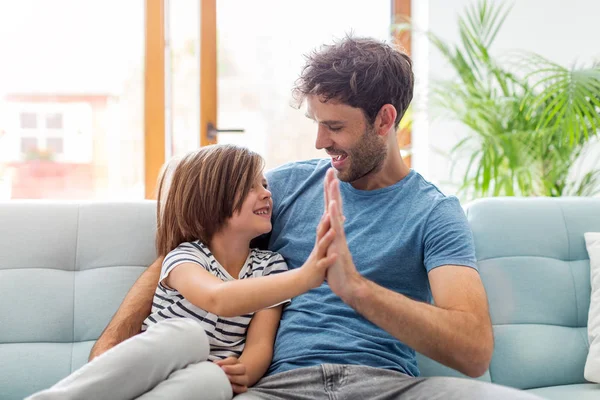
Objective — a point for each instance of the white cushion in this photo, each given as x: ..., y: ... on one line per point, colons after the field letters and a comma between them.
x: 592, y: 365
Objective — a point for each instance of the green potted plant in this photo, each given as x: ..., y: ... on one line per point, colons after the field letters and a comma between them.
x: 529, y: 119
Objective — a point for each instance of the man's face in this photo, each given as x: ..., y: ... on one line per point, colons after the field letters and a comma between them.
x: 355, y: 148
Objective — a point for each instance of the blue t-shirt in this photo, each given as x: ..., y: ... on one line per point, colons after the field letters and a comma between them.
x: 395, y: 234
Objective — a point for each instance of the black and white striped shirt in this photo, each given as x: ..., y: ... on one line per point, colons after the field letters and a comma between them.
x: 226, y: 336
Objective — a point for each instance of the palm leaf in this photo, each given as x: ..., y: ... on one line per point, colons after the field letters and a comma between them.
x: 528, y: 119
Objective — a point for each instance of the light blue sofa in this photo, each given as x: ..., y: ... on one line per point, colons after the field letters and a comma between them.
x: 65, y: 268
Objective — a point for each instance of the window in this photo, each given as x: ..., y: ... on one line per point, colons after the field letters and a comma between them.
x: 28, y: 120
x: 51, y: 141
x: 38, y: 142
x: 29, y: 145
x: 71, y: 99
x: 259, y: 57
x: 55, y: 145
x: 54, y: 121
x: 257, y: 70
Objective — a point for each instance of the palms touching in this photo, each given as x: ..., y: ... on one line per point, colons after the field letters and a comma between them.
x: 343, y: 271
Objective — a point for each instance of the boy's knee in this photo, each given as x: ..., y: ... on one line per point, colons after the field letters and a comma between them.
x: 208, y: 369
x: 203, y: 380
x: 214, y: 385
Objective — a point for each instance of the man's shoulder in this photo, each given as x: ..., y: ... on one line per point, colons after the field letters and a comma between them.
x: 429, y: 197
x: 427, y: 188
x: 423, y: 191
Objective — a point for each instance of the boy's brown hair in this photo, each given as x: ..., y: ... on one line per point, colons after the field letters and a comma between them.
x: 200, y: 191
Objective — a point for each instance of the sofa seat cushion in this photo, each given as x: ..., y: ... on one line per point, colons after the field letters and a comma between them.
x: 580, y: 391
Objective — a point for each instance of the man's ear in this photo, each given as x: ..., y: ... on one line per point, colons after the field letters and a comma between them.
x: 385, y: 119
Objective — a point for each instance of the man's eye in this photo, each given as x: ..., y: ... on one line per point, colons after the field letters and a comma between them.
x: 335, y: 129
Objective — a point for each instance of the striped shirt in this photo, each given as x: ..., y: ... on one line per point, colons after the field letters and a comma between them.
x: 227, y: 336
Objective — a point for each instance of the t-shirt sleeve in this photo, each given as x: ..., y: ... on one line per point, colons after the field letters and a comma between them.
x: 184, y: 253
x: 276, y: 265
x: 448, y: 239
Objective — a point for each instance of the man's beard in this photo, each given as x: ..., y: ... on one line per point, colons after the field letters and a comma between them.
x: 365, y: 157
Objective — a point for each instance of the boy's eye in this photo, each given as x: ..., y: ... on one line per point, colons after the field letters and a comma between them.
x: 265, y: 186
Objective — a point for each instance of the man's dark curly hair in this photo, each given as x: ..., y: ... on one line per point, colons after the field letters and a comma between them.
x: 360, y: 72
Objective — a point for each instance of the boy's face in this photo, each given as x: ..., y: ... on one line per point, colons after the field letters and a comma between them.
x: 255, y: 216
x: 353, y: 145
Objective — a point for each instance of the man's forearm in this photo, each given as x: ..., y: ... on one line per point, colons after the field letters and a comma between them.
x: 458, y: 339
x: 128, y: 319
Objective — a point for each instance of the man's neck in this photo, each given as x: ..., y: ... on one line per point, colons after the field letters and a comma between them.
x: 393, y: 171
x: 230, y: 250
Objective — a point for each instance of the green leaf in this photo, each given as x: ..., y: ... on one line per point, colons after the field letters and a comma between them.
x: 528, y: 118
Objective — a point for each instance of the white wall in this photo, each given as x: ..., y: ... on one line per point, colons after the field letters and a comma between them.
x: 562, y: 31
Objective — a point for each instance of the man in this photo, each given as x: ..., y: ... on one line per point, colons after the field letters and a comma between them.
x: 400, y: 244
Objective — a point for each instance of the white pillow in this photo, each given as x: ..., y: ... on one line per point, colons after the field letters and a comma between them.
x: 592, y: 365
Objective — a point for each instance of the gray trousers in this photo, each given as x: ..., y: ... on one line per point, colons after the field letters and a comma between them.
x: 354, y: 382
x: 168, y: 361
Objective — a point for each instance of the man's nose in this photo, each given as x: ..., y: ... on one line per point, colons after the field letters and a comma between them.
x: 323, y: 141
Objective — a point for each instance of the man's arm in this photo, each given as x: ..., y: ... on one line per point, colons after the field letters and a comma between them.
x: 456, y: 332
x: 128, y: 319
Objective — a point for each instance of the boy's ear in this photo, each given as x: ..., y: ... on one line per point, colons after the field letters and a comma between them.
x: 261, y: 242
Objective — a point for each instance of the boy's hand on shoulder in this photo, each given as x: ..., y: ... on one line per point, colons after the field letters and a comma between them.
x: 236, y: 373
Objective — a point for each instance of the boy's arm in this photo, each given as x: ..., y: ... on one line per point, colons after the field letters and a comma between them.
x: 128, y: 319
x: 243, y: 296
x: 258, y: 352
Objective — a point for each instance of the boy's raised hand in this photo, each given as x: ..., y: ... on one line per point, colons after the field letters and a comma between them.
x: 318, y: 261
